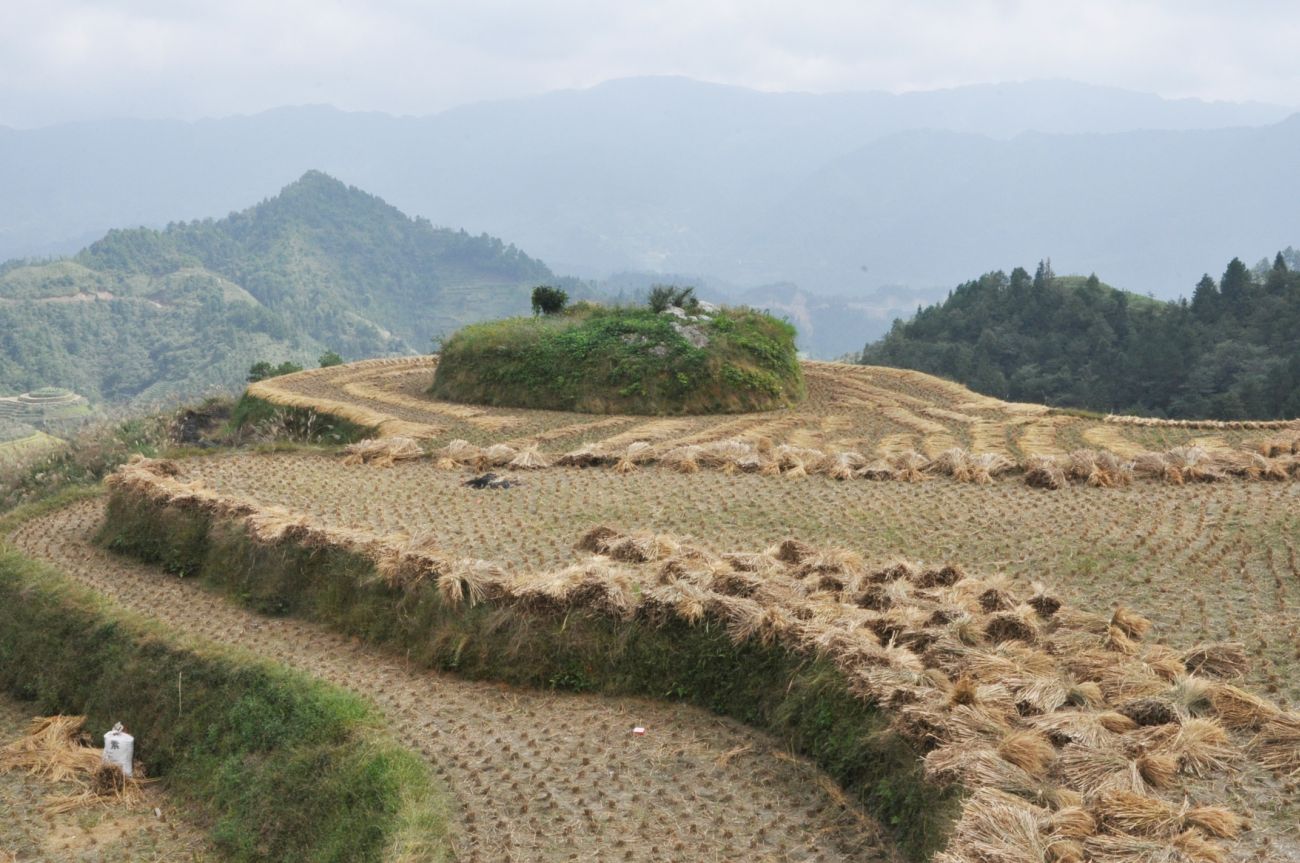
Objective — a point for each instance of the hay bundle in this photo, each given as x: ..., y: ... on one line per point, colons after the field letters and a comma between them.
x: 1129, y: 622
x: 1201, y: 746
x: 1090, y: 729
x: 997, y: 827
x: 725, y: 454
x: 1241, y: 710
x: 497, y: 455
x: 460, y: 452
x: 683, y: 459
x: 1028, y: 749
x: 471, y: 581
x: 1223, y: 659
x: 587, y: 455
x: 909, y: 466
x: 1188, y: 847
x: 965, y: 466
x: 979, y: 767
x: 792, y: 551
x: 878, y: 470
x: 382, y: 452
x: 798, y: 460
x: 834, y: 561
x: 945, y: 576
x: 595, y: 584
x: 640, y: 547
x: 1044, y: 471
x: 636, y: 452
x: 845, y: 465
x: 1128, y: 812
x: 596, y: 539
x: 1123, y: 810
x: 529, y: 458
x: 1010, y: 626
x: 55, y: 748
x: 682, y: 599
x: 1098, y: 468
x: 1278, y: 744
x: 1195, y: 464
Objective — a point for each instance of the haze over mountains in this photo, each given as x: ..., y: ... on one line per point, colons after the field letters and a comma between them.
x: 878, y: 200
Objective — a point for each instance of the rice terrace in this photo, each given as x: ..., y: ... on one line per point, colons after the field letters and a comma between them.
x: 897, y: 620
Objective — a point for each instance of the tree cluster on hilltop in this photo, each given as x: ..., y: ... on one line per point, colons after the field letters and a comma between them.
x: 1231, y: 352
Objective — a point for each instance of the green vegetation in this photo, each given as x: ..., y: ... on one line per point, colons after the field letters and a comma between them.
x: 663, y: 297
x: 1229, y: 353
x: 143, y: 315
x: 261, y: 370
x: 282, y: 767
x: 90, y: 455
x: 548, y: 300
x: 602, y: 359
x: 259, y: 419
x: 330, y: 359
x: 803, y: 701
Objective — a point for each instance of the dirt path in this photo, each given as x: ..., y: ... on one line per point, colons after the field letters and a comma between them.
x: 536, y: 776
x: 104, y: 834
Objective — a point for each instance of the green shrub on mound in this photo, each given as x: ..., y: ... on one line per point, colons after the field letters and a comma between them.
x: 599, y: 359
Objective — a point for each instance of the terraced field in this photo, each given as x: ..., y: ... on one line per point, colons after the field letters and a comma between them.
x: 1210, y: 563
x: 990, y: 618
x: 1207, y: 561
x: 537, y: 776
x: 20, y: 449
x: 874, y: 411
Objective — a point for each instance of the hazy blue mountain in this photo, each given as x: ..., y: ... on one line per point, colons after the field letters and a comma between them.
x: 1151, y: 211
x: 676, y: 175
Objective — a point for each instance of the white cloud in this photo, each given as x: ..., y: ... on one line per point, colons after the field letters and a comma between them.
x: 74, y: 59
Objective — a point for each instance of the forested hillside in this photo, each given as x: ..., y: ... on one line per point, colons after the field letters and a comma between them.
x: 142, y: 314
x: 1231, y: 352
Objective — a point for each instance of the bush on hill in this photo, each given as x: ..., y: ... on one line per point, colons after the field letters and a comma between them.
x: 601, y: 359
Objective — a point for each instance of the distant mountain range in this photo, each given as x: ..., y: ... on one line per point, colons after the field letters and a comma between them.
x: 143, y: 315
x: 882, y: 200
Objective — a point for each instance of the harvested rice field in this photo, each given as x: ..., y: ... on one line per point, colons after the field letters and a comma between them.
x: 1007, y: 649
x: 120, y: 833
x: 1206, y: 561
x: 536, y: 776
x: 1080, y: 632
x: 873, y: 411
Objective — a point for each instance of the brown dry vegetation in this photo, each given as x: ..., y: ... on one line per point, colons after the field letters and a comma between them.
x: 31, y: 828
x: 1086, y: 731
x: 857, y: 422
x: 536, y: 776
x: 1050, y: 713
x: 1207, y: 561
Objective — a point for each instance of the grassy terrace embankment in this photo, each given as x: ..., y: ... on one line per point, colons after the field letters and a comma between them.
x: 804, y: 701
x: 605, y: 360
x: 281, y: 766
x: 911, y: 685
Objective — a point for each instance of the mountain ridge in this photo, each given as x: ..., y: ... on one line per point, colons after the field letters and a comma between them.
x: 318, y: 266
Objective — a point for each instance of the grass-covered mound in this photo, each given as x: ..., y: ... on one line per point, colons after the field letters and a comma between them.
x: 599, y: 359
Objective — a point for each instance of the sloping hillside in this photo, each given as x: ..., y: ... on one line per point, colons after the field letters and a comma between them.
x: 1229, y: 354
x: 142, y: 314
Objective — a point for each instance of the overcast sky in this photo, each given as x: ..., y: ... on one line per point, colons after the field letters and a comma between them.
x: 80, y: 59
